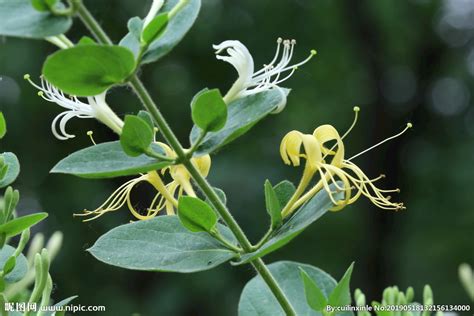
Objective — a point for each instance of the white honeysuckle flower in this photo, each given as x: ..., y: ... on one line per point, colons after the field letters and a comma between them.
x: 95, y: 108
x: 269, y: 77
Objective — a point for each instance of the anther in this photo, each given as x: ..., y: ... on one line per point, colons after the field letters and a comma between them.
x: 400, y: 207
x: 279, y: 40
x: 409, y: 125
x: 26, y: 77
x: 313, y: 52
x: 293, y: 42
x: 356, y: 109
x: 40, y: 93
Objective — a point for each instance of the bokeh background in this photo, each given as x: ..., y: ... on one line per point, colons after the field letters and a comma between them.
x: 399, y: 61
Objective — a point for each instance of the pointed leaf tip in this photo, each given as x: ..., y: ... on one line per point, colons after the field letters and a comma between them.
x: 314, y: 296
x: 341, y: 295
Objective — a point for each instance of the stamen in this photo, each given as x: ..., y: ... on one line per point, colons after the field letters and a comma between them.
x: 270, y: 64
x: 260, y: 77
x: 311, y: 55
x: 356, y: 115
x: 89, y: 133
x: 408, y: 126
x: 278, y: 81
x: 115, y: 201
x: 155, y: 131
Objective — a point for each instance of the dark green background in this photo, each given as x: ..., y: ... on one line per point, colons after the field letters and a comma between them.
x: 398, y: 60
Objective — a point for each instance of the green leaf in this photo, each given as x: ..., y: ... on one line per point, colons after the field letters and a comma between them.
x: 196, y: 215
x: 242, y: 115
x: 284, y: 191
x: 40, y: 5
x: 51, y: 3
x: 66, y: 301
x: 341, y: 295
x: 13, y: 168
x: 257, y: 299
x: 136, y: 137
x: 86, y: 40
x: 177, y: 27
x: 273, y: 205
x: 161, y: 244
x: 305, y: 216
x: 18, y: 18
x: 209, y: 111
x: 10, y: 201
x: 221, y: 194
x: 9, y: 265
x: 43, y: 5
x: 155, y: 28
x: 21, y: 265
x: 89, y: 70
x: 19, y: 224
x: 144, y: 115
x: 3, y: 126
x: 107, y: 160
x: 314, y: 296
x: 61, y: 303
x: 132, y: 39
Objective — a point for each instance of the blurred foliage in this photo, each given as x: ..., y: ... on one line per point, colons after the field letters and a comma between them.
x: 398, y: 60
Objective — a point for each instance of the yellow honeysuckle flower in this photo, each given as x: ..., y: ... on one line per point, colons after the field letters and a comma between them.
x: 332, y: 168
x: 290, y: 149
x: 166, y: 196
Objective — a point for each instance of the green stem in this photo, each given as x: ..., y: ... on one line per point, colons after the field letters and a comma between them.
x: 196, y: 144
x: 220, y: 207
x: 267, y: 276
x: 216, y: 234
x: 67, y: 11
x: 151, y: 153
x: 91, y: 23
x: 263, y: 239
x: 205, y: 187
x: 141, y: 52
x: 3, y: 302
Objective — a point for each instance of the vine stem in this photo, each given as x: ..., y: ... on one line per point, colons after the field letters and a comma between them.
x: 144, y: 96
